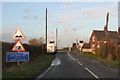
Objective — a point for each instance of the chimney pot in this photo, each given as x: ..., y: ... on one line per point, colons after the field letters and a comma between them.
x: 119, y: 31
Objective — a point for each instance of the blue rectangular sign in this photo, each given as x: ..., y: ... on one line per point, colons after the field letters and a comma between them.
x: 17, y: 56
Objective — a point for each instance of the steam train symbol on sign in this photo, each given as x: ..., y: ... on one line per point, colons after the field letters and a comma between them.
x: 18, y: 48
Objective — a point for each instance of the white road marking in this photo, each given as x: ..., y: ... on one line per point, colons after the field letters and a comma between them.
x: 79, y: 62
x: 82, y: 64
x: 43, y: 73
x: 73, y: 59
x: 70, y: 56
x: 56, y: 61
x: 92, y: 73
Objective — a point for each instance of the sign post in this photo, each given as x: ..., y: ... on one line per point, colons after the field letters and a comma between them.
x: 18, y: 63
x: 17, y: 56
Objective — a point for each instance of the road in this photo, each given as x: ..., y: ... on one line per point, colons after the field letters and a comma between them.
x: 73, y: 65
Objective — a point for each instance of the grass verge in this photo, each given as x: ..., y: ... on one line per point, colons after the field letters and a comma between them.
x: 29, y: 69
x: 109, y: 63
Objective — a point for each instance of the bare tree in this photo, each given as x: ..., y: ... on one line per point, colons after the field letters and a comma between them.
x: 41, y: 40
x: 33, y: 41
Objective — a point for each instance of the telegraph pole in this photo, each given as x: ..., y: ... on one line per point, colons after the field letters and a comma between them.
x: 46, y: 31
x: 56, y: 38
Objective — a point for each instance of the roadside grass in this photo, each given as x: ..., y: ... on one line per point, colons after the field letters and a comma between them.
x: 63, y: 50
x: 29, y: 69
x: 110, y: 63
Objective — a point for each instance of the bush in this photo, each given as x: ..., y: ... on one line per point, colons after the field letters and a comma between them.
x: 109, y: 51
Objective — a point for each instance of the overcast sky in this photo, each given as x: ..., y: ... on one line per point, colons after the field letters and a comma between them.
x: 73, y: 19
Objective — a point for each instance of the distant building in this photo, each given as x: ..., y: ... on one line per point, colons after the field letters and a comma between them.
x: 104, y: 36
x: 78, y: 46
x: 74, y: 44
x: 86, y: 46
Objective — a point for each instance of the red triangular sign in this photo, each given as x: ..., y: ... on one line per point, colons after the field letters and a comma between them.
x: 18, y: 35
x: 18, y: 46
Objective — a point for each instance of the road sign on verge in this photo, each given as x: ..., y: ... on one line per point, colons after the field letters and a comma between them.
x: 17, y: 56
x: 18, y: 35
x: 18, y: 46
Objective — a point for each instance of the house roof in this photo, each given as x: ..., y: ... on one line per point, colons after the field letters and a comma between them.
x: 100, y: 35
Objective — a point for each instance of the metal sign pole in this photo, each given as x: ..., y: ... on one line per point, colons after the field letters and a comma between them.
x: 18, y: 63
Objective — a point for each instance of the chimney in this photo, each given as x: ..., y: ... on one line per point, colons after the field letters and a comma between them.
x: 119, y: 31
x: 106, y: 26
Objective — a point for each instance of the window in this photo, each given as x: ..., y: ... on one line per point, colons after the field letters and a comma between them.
x: 93, y: 38
x: 93, y: 46
x: 98, y: 46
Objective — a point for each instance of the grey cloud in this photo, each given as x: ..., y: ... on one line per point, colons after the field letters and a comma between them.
x: 35, y: 17
x: 27, y: 10
x: 25, y: 17
x: 28, y: 17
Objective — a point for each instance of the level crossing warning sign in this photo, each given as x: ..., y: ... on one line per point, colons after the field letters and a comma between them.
x: 18, y: 46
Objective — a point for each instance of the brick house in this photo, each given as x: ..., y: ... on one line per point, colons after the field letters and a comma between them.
x: 86, y: 46
x: 104, y: 36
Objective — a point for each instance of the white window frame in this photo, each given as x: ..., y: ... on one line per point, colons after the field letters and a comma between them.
x: 93, y: 38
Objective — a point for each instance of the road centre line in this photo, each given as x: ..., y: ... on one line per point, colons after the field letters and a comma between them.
x: 70, y: 56
x: 92, y: 73
x: 82, y: 64
x: 73, y: 59
x: 79, y: 63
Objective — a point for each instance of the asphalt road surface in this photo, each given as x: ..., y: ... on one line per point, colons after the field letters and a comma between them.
x: 73, y: 65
